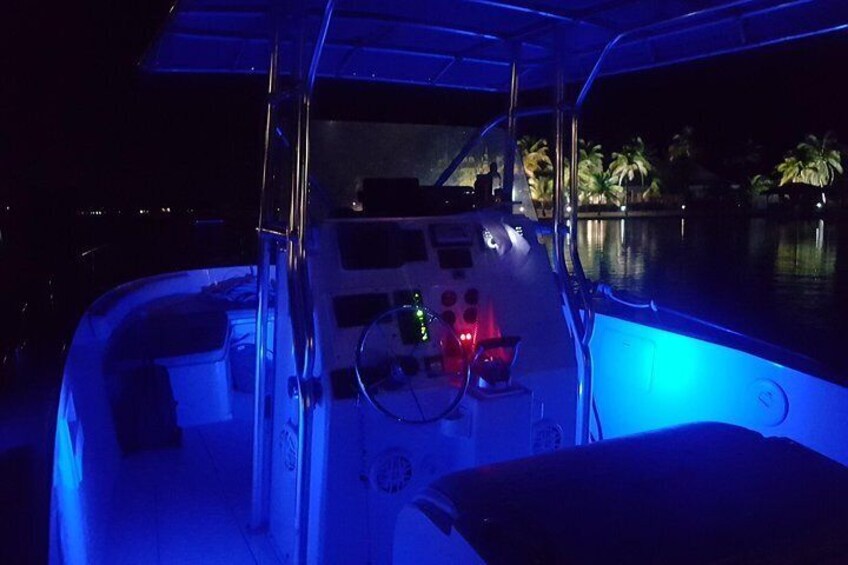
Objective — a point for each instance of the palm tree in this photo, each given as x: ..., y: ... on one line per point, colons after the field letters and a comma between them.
x: 591, y: 163
x: 678, y: 169
x: 539, y: 171
x: 591, y: 158
x: 814, y: 161
x: 682, y: 146
x: 534, y: 152
x: 631, y: 162
x: 760, y: 184
x: 602, y: 186
x: 654, y: 189
x: 791, y: 169
x: 542, y: 193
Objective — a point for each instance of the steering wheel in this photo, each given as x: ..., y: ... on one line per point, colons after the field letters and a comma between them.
x: 411, y: 366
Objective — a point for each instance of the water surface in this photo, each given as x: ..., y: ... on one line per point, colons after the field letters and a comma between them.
x: 785, y: 281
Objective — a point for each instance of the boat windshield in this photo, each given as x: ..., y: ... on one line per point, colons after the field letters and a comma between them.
x: 389, y: 170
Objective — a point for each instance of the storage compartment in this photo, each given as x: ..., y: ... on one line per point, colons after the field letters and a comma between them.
x: 197, y: 364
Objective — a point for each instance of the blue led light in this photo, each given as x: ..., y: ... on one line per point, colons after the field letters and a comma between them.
x: 204, y: 41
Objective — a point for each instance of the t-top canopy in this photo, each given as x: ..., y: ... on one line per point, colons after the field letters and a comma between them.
x: 470, y: 44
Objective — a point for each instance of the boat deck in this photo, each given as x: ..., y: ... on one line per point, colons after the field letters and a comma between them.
x: 191, y: 504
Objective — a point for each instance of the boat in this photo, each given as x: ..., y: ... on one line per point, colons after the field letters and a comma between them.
x: 429, y: 376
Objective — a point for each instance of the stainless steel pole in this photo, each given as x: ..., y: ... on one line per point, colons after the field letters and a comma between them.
x: 584, y: 392
x: 300, y: 300
x: 300, y: 295
x: 574, y: 201
x: 559, y: 165
x: 509, y: 143
x: 261, y: 419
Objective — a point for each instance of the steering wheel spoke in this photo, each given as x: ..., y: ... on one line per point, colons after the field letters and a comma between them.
x: 397, y: 364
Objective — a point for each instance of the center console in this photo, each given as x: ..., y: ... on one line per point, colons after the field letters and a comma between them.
x: 428, y: 292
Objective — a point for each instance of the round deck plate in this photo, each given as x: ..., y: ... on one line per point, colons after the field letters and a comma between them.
x: 767, y: 402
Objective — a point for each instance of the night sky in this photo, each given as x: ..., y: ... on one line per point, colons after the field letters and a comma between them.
x: 83, y: 126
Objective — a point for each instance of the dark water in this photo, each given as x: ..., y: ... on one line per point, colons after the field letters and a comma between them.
x: 784, y: 281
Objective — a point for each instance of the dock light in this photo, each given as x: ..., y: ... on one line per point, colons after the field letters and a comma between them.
x: 623, y: 208
x: 683, y: 206
x: 568, y: 208
x: 818, y: 205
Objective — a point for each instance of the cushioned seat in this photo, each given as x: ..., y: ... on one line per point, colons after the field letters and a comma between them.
x: 698, y: 493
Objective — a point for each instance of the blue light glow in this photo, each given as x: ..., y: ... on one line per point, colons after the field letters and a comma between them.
x: 69, y: 523
x: 205, y: 42
x: 646, y: 378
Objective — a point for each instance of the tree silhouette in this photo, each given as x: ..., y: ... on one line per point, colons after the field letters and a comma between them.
x: 814, y: 161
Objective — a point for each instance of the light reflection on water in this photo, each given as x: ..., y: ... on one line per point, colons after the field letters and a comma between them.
x: 777, y: 280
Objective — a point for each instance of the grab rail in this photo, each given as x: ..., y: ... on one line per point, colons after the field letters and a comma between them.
x: 608, y: 292
x: 775, y: 352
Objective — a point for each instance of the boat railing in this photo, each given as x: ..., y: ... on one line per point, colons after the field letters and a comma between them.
x: 696, y: 327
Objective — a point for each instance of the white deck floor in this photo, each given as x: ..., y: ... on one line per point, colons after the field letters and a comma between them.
x: 191, y: 505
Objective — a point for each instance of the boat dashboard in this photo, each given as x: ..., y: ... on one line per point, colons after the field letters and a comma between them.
x: 434, y: 289
x: 440, y: 345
